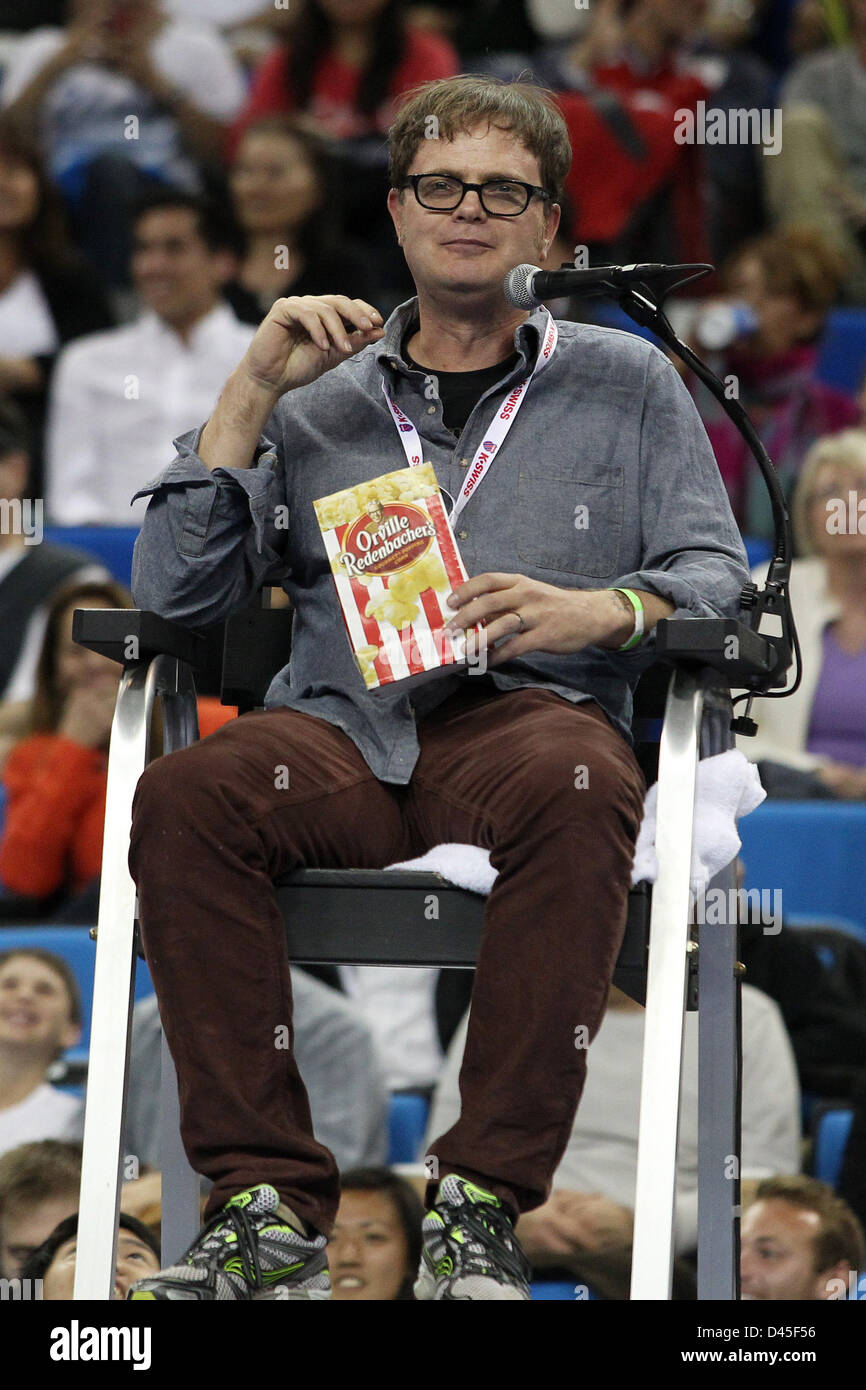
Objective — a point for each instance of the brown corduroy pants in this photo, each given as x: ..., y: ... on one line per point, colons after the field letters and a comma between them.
x: 550, y: 788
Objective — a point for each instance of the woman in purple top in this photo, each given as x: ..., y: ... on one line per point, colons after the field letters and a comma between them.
x: 821, y: 728
x: 781, y: 287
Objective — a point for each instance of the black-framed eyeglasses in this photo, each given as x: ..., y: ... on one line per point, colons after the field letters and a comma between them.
x: 499, y: 197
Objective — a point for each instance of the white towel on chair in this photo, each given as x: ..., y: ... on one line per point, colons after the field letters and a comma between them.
x: 728, y: 787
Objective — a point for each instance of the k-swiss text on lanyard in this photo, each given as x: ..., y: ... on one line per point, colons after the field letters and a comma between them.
x: 497, y: 430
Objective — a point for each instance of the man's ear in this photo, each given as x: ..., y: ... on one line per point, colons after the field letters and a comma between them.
x: 395, y: 207
x: 551, y: 227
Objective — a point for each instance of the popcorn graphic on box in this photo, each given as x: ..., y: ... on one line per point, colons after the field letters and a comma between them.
x: 395, y: 561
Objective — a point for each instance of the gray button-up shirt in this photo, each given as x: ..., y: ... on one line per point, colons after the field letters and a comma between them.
x: 606, y: 478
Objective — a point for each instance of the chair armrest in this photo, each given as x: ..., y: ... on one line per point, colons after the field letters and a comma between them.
x: 740, y: 654
x: 131, y: 634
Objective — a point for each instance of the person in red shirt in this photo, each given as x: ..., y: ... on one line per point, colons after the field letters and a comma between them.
x: 55, y: 776
x: 636, y: 51
x: 345, y: 66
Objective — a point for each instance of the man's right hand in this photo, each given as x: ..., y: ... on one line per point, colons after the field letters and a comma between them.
x: 305, y: 336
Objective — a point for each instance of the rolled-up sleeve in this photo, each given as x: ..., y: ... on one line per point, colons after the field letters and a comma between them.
x: 209, y: 537
x: 693, y: 554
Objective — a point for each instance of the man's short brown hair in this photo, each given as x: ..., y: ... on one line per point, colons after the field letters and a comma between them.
x: 461, y: 104
x: 34, y: 1173
x: 840, y: 1236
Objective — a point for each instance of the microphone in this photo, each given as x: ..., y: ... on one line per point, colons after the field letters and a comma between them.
x: 526, y: 286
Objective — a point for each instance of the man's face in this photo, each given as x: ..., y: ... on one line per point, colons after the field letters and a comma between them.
x: 24, y: 1229
x: 782, y: 320
x: 135, y: 1260
x: 777, y: 1259
x: 34, y: 1009
x: 176, y: 274
x: 467, y: 252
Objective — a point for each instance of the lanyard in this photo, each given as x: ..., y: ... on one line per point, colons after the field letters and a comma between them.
x: 497, y: 430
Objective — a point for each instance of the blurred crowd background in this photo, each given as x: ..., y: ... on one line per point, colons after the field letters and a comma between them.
x: 168, y: 168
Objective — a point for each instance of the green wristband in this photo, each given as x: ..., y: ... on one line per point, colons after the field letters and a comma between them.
x: 639, y: 619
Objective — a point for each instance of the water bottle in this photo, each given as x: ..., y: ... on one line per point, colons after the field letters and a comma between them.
x: 723, y: 324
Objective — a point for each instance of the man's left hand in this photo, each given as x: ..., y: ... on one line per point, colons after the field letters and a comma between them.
x: 535, y: 617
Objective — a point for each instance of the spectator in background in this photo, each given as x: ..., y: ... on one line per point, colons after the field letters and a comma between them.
x: 636, y: 49
x: 47, y: 295
x: 54, y: 1261
x: 55, y: 774
x: 284, y: 188
x: 819, y: 177
x: 31, y: 568
x: 345, y: 64
x: 39, y: 1186
x: 40, y: 1017
x: 814, y: 742
x: 786, y: 282
x: 375, y: 1247
x: 668, y: 54
x: 119, y: 398
x: 799, y: 1243
x: 413, y: 1014
x: 121, y: 98
x: 592, y: 1202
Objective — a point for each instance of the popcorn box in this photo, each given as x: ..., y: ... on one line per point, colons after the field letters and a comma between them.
x: 395, y: 561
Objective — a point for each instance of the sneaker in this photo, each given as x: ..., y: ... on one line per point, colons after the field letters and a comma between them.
x: 470, y: 1249
x: 248, y: 1250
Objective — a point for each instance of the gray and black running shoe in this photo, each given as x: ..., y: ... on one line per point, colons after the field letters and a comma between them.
x: 248, y: 1250
x: 470, y: 1249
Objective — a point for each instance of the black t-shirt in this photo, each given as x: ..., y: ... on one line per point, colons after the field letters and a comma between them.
x: 459, y: 392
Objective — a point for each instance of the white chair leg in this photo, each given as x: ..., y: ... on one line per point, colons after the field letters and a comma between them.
x: 655, y: 1193
x: 114, y: 973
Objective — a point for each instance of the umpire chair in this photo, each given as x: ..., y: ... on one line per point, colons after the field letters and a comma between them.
x: 372, y: 917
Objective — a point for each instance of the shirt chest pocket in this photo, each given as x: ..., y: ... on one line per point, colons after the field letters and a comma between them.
x: 570, y: 525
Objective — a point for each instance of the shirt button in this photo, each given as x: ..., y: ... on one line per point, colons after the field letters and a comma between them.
x: 462, y: 535
x: 431, y: 410
x: 464, y: 463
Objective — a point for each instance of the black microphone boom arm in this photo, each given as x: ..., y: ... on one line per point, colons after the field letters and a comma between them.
x: 757, y: 661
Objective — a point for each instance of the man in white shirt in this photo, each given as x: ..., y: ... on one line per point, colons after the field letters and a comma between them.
x: 119, y: 398
x: 592, y: 1201
x: 40, y: 1016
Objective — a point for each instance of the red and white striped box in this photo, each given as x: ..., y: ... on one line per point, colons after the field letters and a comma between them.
x: 395, y: 561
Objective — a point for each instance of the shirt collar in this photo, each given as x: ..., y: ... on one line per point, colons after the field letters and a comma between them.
x: 209, y: 330
x: 391, y: 363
